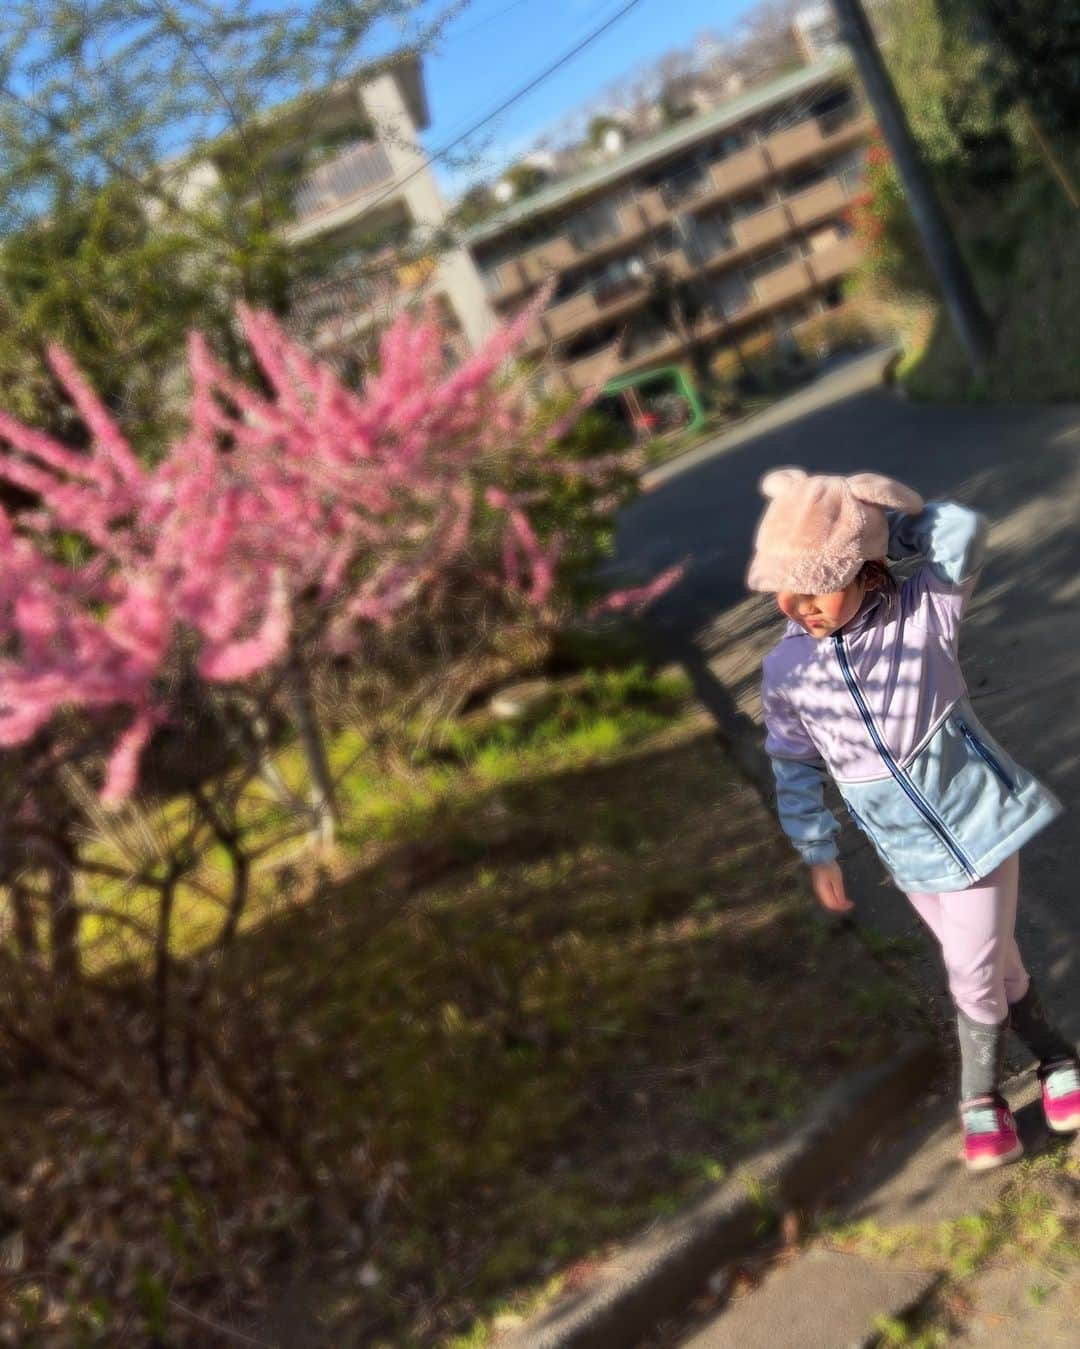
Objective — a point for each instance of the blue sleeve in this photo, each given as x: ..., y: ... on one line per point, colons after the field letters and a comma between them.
x: 951, y: 538
x: 800, y: 802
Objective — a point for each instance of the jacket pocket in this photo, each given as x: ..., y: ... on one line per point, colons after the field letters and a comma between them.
x: 988, y: 757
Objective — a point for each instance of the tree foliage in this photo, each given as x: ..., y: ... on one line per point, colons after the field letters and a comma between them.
x: 1035, y: 55
x: 105, y: 107
x: 111, y: 89
x: 950, y: 85
x: 295, y: 530
x: 102, y: 281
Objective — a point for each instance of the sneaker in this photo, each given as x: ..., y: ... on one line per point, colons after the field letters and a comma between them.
x: 1061, y: 1095
x: 990, y: 1137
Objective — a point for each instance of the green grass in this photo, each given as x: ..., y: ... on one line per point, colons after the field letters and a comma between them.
x: 566, y: 1047
x: 609, y: 711
x: 611, y: 990
x: 1027, y: 1222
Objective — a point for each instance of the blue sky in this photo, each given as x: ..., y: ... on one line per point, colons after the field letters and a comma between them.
x: 495, y: 46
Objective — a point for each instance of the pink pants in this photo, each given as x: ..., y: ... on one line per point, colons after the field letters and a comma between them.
x: 976, y: 930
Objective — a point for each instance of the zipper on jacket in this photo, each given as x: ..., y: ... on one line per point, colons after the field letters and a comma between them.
x: 987, y: 756
x: 925, y: 809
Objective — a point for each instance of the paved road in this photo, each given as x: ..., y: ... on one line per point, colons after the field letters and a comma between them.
x: 1019, y: 465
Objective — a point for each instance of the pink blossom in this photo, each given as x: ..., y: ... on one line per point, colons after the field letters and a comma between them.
x: 122, y: 770
x: 301, y: 503
x: 638, y: 597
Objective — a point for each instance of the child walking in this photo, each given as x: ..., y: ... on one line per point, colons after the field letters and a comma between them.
x: 865, y: 686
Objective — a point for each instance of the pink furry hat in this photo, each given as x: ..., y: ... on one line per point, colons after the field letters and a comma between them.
x: 818, y: 531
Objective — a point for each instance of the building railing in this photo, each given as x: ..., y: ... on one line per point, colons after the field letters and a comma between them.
x: 359, y: 169
x: 343, y: 296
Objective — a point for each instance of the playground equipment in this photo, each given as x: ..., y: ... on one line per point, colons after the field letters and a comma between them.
x: 682, y: 384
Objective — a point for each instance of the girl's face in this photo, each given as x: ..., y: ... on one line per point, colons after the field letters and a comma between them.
x: 822, y: 615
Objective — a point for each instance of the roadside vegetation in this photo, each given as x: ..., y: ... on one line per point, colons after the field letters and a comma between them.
x: 553, y: 1001
x: 991, y: 98
x: 1031, y: 1235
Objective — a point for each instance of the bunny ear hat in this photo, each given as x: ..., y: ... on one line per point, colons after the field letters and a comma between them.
x: 817, y: 531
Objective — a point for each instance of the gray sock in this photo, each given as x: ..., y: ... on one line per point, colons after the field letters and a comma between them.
x: 982, y: 1056
x: 1033, y: 1026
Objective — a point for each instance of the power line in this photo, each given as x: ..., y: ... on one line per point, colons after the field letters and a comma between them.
x: 503, y: 89
x: 490, y: 18
x: 509, y: 102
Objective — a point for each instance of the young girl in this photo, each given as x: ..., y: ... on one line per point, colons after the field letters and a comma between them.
x: 865, y: 687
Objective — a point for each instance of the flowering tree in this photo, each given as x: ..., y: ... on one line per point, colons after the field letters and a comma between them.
x: 291, y: 529
x: 160, y: 624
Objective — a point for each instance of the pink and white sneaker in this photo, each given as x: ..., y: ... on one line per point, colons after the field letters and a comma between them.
x: 990, y: 1137
x: 1061, y: 1095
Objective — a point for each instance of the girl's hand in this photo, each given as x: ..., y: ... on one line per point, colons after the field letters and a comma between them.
x: 828, y: 882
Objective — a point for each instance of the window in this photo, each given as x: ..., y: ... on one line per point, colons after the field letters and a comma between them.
x: 570, y: 284
x: 685, y: 185
x: 726, y: 145
x: 594, y: 226
x: 588, y: 344
x: 712, y: 235
x: 771, y: 262
x: 672, y: 168
x: 666, y: 240
x: 806, y: 179
x: 617, y: 279
x: 849, y: 169
x: 730, y: 295
x: 834, y: 101
x: 788, y: 318
x: 751, y: 204
x: 645, y: 335
x: 732, y: 143
x: 492, y: 280
x: 835, y: 111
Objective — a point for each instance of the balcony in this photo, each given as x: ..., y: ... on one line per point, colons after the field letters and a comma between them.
x: 739, y: 171
x: 596, y: 369
x: 505, y: 280
x: 348, y: 300
x: 534, y: 265
x: 837, y: 259
x: 761, y: 228
x: 783, y: 284
x: 572, y: 314
x: 542, y: 260
x: 722, y: 179
x: 823, y: 199
x: 647, y: 210
x: 832, y: 131
x: 349, y: 176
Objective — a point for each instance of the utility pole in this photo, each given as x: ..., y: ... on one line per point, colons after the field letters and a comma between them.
x: 970, y: 319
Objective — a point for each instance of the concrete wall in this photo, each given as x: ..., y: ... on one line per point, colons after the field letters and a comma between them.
x: 459, y: 277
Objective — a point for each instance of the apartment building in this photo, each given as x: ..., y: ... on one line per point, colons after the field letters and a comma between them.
x: 380, y: 186
x: 743, y: 208
x: 369, y: 208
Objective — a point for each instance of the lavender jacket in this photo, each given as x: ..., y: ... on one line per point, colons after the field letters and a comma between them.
x: 882, y: 708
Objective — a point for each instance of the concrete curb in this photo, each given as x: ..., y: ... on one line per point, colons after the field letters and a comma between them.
x: 657, y: 1274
